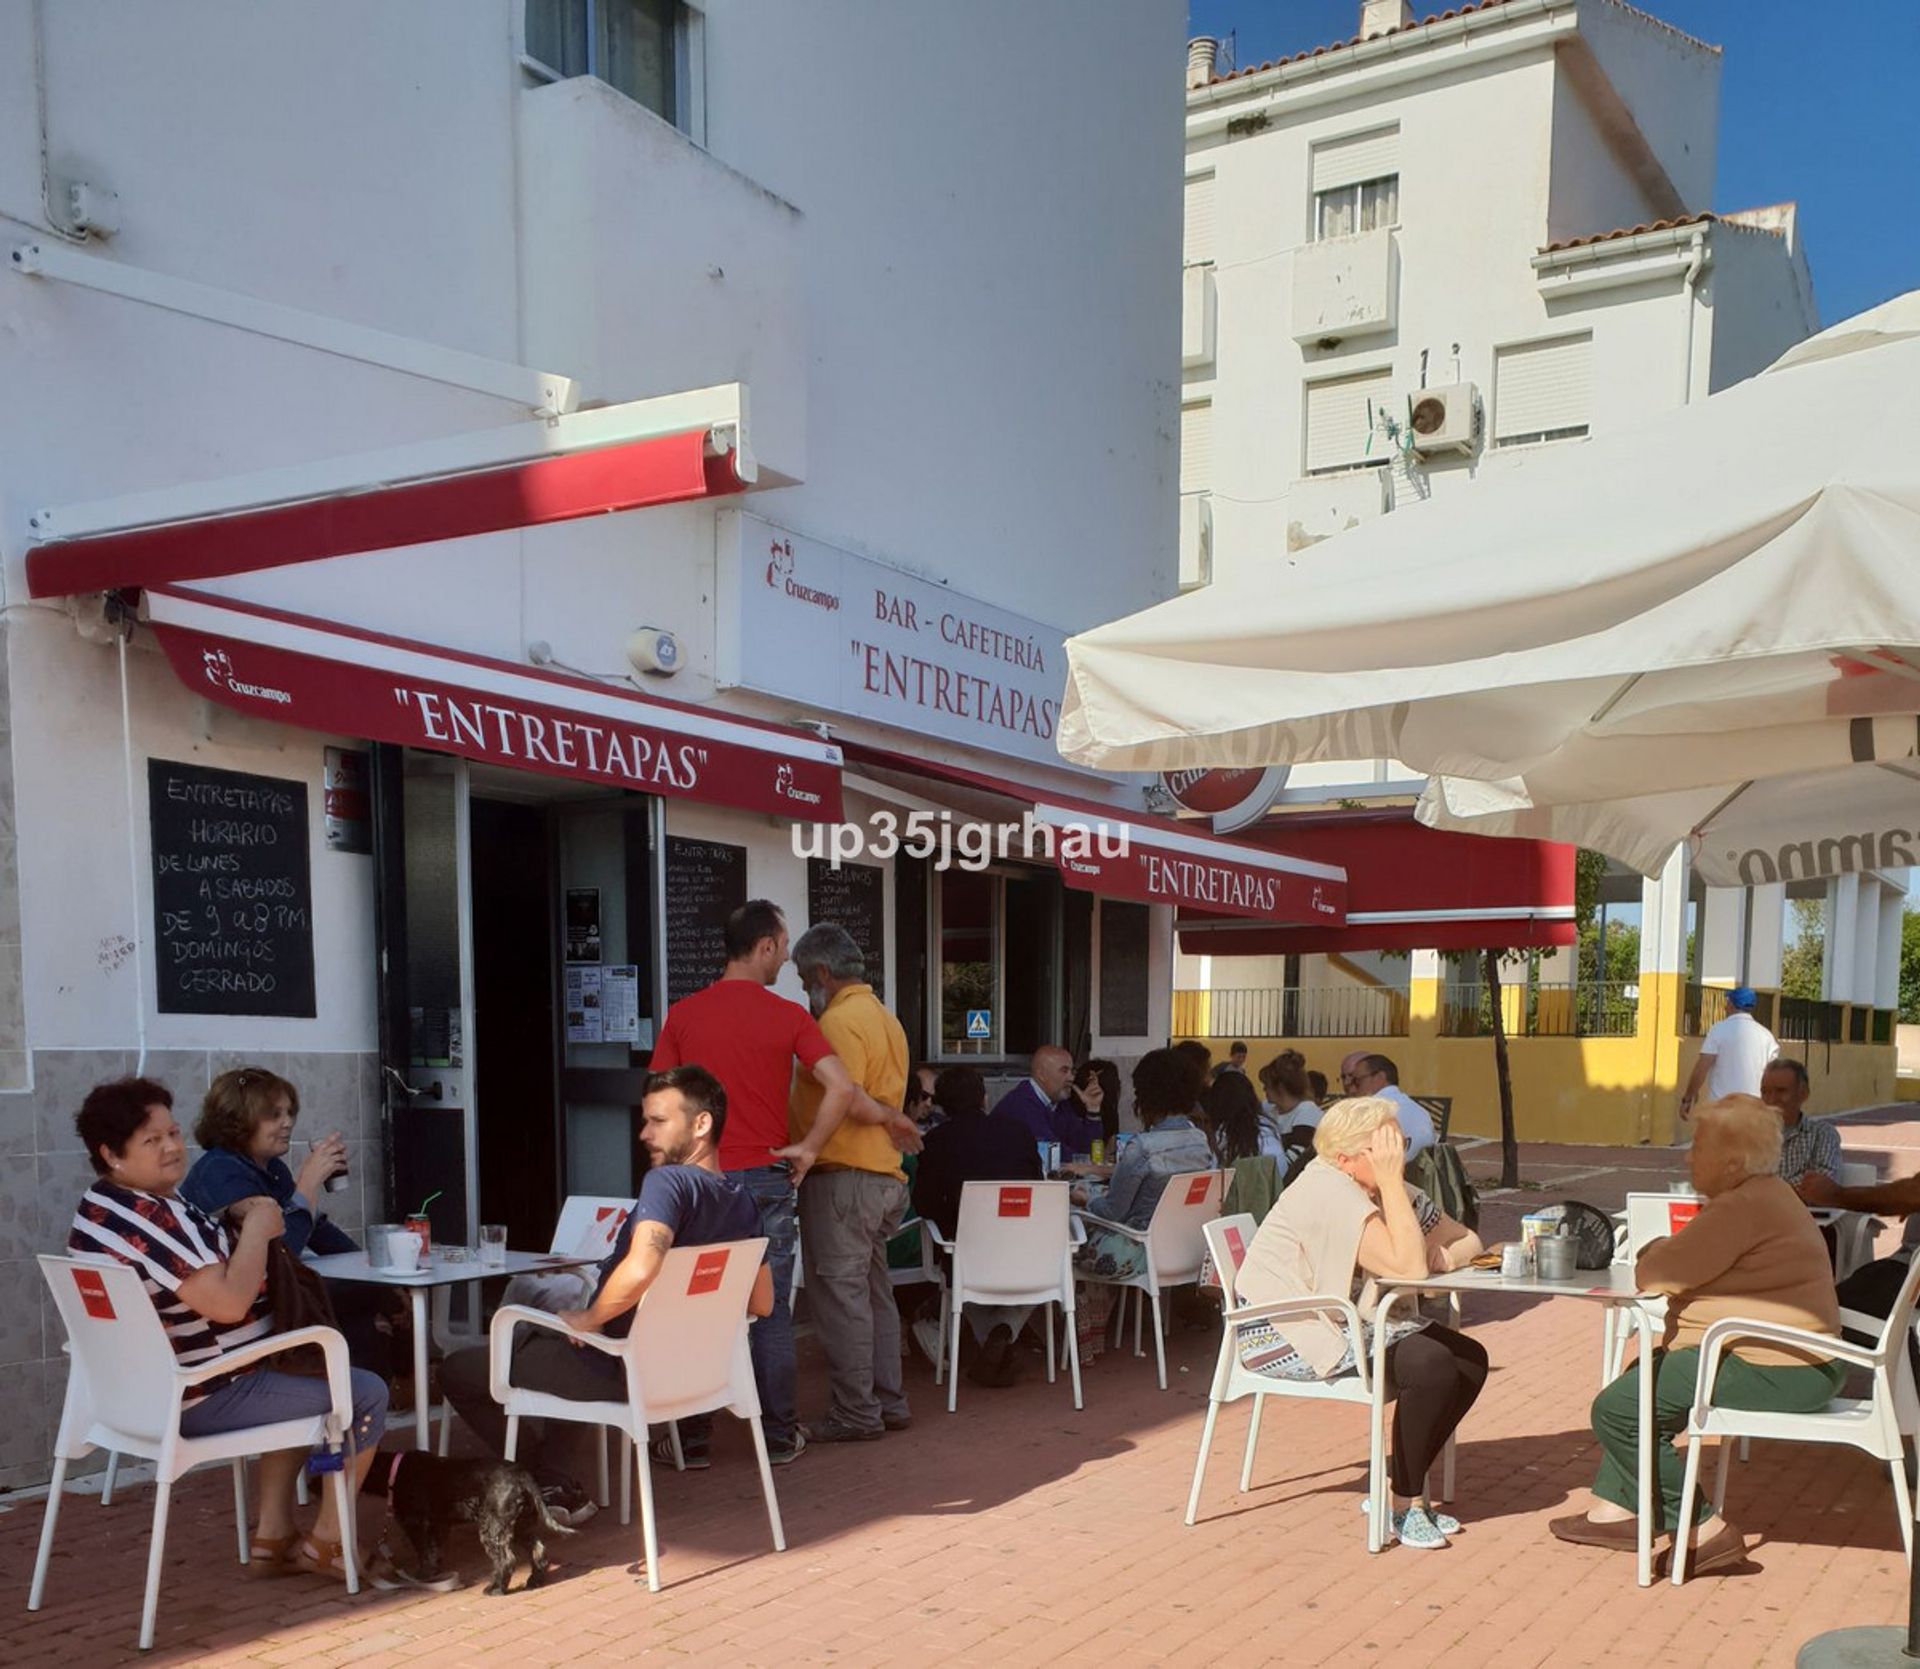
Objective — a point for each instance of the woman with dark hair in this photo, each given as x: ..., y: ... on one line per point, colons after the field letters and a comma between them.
x: 1234, y: 1125
x: 208, y: 1286
x: 1296, y: 1111
x: 1096, y: 1093
x: 246, y: 1129
x: 922, y: 1105
x: 1166, y: 1088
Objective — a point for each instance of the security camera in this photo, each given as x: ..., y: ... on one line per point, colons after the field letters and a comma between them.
x: 651, y: 650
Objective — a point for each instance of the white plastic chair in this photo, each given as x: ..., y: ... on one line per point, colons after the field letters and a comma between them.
x: 1013, y: 1244
x: 125, y: 1393
x: 686, y: 1355
x: 1227, y: 1238
x: 1875, y: 1423
x: 1855, y: 1231
x: 1649, y: 1217
x: 1175, y: 1245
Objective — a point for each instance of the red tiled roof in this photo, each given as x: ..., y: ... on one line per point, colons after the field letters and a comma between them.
x: 1342, y: 46
x: 1629, y: 232
x: 1421, y: 23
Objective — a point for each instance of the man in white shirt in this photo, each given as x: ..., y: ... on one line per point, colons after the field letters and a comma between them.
x: 1733, y: 1054
x: 1377, y: 1075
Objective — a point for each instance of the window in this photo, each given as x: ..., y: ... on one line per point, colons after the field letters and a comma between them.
x: 1000, y: 950
x: 1196, y: 447
x: 1197, y: 227
x: 638, y: 47
x: 968, y: 905
x: 1542, y: 390
x: 1340, y: 421
x: 1356, y: 183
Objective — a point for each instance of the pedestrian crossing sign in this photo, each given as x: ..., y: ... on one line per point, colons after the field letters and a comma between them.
x: 979, y: 1022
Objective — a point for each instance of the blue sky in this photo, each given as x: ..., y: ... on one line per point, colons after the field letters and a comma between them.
x: 1817, y: 104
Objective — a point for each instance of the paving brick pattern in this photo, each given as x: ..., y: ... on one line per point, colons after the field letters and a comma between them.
x: 1018, y: 1532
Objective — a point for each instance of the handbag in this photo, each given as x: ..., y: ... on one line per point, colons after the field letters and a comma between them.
x: 298, y: 1298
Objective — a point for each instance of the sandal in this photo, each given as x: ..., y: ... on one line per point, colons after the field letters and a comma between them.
x: 271, y: 1555
x: 321, y: 1558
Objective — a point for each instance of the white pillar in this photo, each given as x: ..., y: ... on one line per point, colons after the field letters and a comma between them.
x: 1766, y: 937
x: 1886, y: 974
x: 1842, y: 938
x: 1866, y: 945
x: 1663, y: 919
x: 1723, y: 936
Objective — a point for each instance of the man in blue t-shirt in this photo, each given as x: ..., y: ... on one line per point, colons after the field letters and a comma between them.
x: 685, y: 1200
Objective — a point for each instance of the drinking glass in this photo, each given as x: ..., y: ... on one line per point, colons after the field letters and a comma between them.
x: 493, y: 1243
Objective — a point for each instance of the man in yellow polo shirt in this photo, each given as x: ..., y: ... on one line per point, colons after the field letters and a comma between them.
x: 853, y: 1196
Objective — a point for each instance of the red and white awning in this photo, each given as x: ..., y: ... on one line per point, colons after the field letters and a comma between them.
x: 1408, y: 888
x: 590, y: 463
x: 340, y: 680
x: 1154, y: 860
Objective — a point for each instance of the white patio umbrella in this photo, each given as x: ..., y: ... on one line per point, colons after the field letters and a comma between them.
x: 1649, y: 622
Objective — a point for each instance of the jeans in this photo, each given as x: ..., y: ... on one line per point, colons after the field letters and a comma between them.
x: 542, y: 1361
x: 263, y: 1396
x: 770, y: 1339
x: 1742, y: 1384
x: 846, y: 1220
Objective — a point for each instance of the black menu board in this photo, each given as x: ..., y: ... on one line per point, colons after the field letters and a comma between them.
x: 232, y: 892
x: 1123, y: 969
x: 706, y: 883
x: 854, y: 897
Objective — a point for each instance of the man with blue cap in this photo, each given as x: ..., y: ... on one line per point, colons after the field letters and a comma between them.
x: 1733, y: 1055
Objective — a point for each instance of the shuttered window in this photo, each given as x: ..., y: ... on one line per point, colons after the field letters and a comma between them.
x: 1542, y: 390
x: 1196, y: 447
x: 1340, y: 422
x: 1197, y: 233
x: 1360, y: 156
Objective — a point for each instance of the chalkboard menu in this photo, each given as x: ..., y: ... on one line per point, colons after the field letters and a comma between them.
x: 232, y: 892
x: 852, y: 896
x: 1123, y: 969
x: 706, y: 883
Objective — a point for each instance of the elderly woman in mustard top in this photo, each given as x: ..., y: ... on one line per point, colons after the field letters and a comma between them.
x: 1752, y: 1252
x: 1348, y: 1216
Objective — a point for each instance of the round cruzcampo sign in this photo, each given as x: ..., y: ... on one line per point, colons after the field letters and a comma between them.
x: 1232, y: 799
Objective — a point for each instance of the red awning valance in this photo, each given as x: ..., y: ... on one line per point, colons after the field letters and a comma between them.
x: 1409, y: 888
x: 340, y: 680
x: 1134, y: 855
x: 587, y: 463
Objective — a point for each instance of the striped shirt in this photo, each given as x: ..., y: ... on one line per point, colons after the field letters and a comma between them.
x: 167, y: 1241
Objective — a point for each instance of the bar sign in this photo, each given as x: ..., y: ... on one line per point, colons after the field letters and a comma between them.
x: 1016, y: 1202
x: 707, y: 1270
x: 93, y: 1294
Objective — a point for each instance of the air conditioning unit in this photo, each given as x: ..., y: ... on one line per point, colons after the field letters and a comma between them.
x: 1444, y: 419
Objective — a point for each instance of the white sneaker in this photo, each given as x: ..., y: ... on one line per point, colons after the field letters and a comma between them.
x: 1445, y: 1523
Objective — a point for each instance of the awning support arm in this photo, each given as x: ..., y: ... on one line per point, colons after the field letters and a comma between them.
x: 545, y: 393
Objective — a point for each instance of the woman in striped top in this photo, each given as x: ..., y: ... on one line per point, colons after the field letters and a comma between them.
x: 208, y: 1285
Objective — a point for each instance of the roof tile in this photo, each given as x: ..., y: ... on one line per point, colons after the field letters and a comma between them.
x: 1629, y: 232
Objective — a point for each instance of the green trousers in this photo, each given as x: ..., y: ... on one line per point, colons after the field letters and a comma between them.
x: 1616, y: 1419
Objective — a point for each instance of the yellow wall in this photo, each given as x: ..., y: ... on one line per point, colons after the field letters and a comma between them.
x: 1607, y: 1091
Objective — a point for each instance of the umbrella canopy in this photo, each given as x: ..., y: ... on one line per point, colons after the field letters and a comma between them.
x: 1728, y: 594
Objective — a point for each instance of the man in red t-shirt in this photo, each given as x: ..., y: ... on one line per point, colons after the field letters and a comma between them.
x: 750, y: 1039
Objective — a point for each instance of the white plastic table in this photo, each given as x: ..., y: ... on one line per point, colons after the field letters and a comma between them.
x: 1612, y: 1286
x: 438, y: 1275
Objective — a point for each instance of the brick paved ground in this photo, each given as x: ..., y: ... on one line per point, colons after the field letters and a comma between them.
x: 1019, y: 1532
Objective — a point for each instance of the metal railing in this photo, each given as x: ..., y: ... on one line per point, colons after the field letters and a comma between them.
x: 1702, y: 1006
x: 1291, y: 1011
x: 1543, y: 1009
x: 1808, y: 1020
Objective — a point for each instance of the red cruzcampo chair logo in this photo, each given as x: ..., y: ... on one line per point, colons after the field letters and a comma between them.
x: 1197, y: 1190
x: 1680, y: 1214
x: 708, y: 1267
x: 93, y: 1294
x: 1016, y: 1202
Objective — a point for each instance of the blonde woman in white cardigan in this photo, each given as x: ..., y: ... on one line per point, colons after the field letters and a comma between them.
x: 1348, y: 1217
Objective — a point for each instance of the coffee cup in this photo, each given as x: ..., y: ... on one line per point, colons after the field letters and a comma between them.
x: 1516, y: 1263
x: 403, y: 1251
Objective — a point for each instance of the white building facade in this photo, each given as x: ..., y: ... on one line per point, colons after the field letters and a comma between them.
x: 919, y: 372
x: 1420, y: 258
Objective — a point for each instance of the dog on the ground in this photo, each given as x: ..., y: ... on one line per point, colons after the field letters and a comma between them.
x: 426, y: 1494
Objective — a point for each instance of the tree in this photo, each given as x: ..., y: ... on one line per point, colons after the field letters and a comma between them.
x: 1800, y: 962
x: 1910, y: 968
